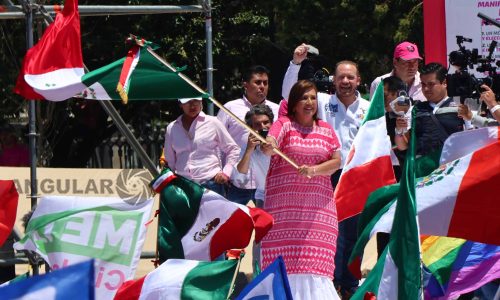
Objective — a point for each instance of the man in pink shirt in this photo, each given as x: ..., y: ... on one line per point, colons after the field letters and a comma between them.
x: 193, y: 143
x: 256, y: 86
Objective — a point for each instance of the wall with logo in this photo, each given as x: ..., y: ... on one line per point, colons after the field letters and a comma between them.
x: 129, y: 184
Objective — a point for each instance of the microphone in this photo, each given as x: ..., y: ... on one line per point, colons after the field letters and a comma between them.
x: 488, y: 20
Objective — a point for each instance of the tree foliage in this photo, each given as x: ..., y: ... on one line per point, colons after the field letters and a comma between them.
x: 244, y: 33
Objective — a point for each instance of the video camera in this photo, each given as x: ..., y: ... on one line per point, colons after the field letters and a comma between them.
x: 313, y: 69
x: 467, y: 85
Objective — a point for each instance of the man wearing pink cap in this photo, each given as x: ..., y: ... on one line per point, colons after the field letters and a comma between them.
x: 405, y: 62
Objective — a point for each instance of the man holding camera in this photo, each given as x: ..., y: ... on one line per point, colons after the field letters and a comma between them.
x: 405, y: 66
x: 344, y: 111
x: 260, y: 118
x: 437, y: 118
x: 488, y: 97
x: 256, y: 86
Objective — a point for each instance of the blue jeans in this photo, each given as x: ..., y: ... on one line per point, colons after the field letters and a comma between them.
x: 216, y: 187
x: 348, y: 234
x: 240, y: 196
x: 346, y: 240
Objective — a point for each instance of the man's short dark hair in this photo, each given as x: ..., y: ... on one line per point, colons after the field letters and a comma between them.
x: 436, y: 68
x: 257, y: 69
x: 394, y: 84
x: 259, y: 109
x: 347, y: 62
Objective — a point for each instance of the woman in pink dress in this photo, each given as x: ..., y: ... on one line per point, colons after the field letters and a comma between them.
x: 301, y: 201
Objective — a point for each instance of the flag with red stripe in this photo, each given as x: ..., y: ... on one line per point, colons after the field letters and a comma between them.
x: 53, y: 68
x: 368, y: 166
x: 131, y: 60
x: 196, y: 223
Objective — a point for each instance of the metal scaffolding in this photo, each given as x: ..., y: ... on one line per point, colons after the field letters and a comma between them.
x: 30, y: 11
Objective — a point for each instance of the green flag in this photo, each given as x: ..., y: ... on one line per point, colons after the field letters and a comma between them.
x: 141, y: 75
x: 397, y: 274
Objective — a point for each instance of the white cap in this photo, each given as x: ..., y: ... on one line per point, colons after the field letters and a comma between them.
x: 186, y: 100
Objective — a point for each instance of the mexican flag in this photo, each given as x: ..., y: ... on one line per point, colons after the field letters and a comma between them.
x: 141, y: 75
x: 53, y: 69
x: 196, y: 223
x: 182, y: 279
x: 450, y: 196
x: 456, y: 192
x: 397, y: 274
x: 370, y: 154
x: 71, y: 229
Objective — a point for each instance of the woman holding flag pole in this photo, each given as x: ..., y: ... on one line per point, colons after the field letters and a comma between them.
x: 301, y: 200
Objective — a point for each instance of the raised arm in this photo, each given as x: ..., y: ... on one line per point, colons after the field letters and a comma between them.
x: 292, y: 73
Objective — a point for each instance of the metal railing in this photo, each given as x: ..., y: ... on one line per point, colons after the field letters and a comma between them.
x: 116, y: 152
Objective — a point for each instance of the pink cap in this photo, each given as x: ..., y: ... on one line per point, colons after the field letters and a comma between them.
x: 406, y: 51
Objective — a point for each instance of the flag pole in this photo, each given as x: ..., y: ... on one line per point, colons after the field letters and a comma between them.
x: 234, y: 277
x: 207, y: 8
x: 227, y: 111
x: 28, y: 11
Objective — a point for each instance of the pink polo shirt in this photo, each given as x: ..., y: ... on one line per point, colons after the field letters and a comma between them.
x: 195, y: 153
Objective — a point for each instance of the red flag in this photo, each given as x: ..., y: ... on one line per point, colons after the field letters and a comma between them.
x: 53, y: 68
x: 263, y: 222
x: 8, y: 208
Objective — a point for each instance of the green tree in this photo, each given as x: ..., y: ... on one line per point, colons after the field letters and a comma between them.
x: 244, y: 33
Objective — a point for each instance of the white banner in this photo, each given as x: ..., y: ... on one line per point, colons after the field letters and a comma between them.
x: 462, y: 20
x: 66, y: 230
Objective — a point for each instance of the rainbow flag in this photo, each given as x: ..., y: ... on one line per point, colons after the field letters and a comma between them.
x: 455, y: 266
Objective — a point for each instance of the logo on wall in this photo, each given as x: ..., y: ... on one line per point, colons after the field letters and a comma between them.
x: 133, y: 185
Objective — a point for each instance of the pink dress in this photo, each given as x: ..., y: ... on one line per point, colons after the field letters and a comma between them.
x: 305, y: 229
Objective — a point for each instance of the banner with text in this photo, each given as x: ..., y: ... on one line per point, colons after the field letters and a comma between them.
x: 66, y: 230
x: 462, y: 20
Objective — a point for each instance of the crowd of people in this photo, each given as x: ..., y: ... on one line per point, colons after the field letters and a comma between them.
x: 315, y: 130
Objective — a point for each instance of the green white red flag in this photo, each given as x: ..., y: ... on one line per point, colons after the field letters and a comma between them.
x: 53, y: 69
x: 450, y: 196
x: 143, y: 76
x: 447, y: 199
x: 397, y: 273
x: 196, y: 223
x: 370, y: 154
x: 182, y: 279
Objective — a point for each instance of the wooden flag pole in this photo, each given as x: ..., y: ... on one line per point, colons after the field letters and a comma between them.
x: 227, y: 111
x: 231, y: 287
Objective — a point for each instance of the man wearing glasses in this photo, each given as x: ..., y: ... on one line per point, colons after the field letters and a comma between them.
x: 405, y: 66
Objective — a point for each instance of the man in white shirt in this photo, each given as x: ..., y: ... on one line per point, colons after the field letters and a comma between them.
x: 405, y: 66
x: 260, y: 118
x: 344, y: 111
x: 256, y: 86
